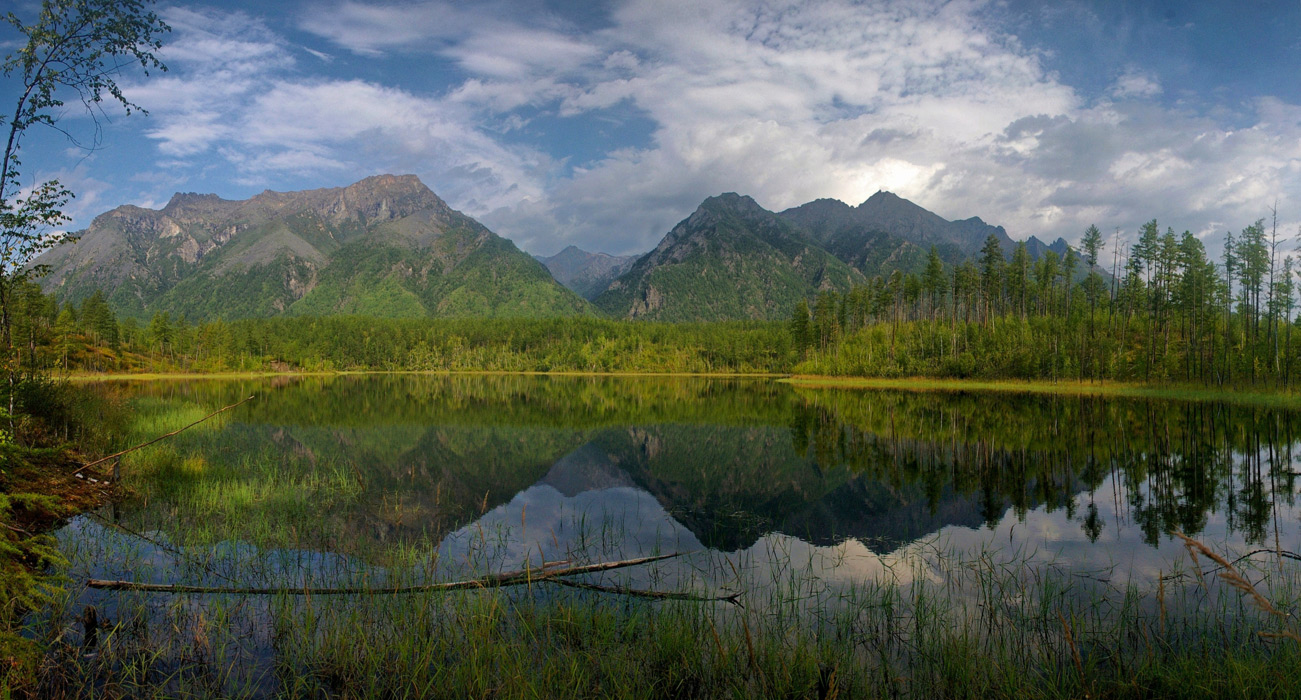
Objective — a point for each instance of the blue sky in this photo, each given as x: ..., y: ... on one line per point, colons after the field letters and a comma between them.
x: 603, y: 124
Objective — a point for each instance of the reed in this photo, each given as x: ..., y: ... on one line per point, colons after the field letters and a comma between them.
x: 940, y: 623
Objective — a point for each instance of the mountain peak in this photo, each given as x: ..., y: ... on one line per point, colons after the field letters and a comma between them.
x: 889, y: 200
x: 589, y: 274
x: 185, y: 199
x: 731, y: 201
x: 375, y: 198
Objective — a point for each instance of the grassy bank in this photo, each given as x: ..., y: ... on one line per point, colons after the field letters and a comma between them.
x: 1281, y: 398
x: 53, y: 432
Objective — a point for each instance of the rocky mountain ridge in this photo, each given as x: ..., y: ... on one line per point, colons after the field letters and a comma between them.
x: 388, y: 246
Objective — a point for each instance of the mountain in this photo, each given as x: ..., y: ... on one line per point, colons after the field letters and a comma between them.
x: 586, y: 273
x: 731, y: 259
x: 1036, y: 248
x: 888, y: 232
x: 385, y: 246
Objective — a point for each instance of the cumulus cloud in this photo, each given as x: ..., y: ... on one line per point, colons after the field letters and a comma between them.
x: 789, y: 101
x: 236, y: 94
x: 348, y: 124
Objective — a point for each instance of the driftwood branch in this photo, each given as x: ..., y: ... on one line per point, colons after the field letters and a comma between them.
x: 161, y: 437
x: 547, y: 573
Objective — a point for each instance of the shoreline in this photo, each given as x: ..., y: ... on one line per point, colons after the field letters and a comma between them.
x: 175, y: 376
x: 1101, y: 388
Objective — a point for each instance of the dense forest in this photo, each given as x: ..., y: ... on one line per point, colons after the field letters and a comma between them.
x: 92, y: 338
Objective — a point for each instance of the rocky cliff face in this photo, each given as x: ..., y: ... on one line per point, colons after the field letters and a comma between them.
x: 385, y: 246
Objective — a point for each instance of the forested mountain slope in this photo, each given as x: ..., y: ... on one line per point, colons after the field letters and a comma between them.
x: 386, y: 246
x: 888, y: 233
x: 731, y: 259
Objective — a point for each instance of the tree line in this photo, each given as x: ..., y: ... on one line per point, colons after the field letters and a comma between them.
x: 1158, y: 310
x: 90, y: 337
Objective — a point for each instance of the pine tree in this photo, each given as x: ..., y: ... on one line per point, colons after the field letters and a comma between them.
x: 992, y: 263
x: 801, y: 327
x: 934, y: 280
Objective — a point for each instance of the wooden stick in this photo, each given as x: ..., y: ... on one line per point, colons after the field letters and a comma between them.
x: 512, y: 578
x: 161, y: 437
x: 641, y: 593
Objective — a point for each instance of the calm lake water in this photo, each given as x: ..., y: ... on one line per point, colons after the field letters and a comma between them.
x: 404, y: 479
x: 496, y: 471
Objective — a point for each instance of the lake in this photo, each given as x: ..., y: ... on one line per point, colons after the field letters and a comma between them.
x: 798, y: 500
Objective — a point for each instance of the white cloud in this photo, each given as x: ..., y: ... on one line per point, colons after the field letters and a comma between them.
x: 786, y: 100
x: 332, y: 125
x: 789, y: 101
x: 368, y: 29
x: 1135, y: 83
x: 235, y: 94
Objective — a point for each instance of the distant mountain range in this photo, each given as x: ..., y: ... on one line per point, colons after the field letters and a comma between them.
x: 388, y: 246
x: 586, y: 273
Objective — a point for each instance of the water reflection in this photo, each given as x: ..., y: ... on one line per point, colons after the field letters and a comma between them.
x: 541, y: 467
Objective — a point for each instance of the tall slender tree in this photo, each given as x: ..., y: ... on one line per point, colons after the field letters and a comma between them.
x: 71, y: 47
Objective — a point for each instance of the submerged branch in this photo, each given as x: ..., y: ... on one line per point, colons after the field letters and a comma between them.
x: 511, y: 578
x: 162, y: 437
x: 734, y: 598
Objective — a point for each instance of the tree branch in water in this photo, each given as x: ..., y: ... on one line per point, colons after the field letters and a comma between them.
x: 161, y: 437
